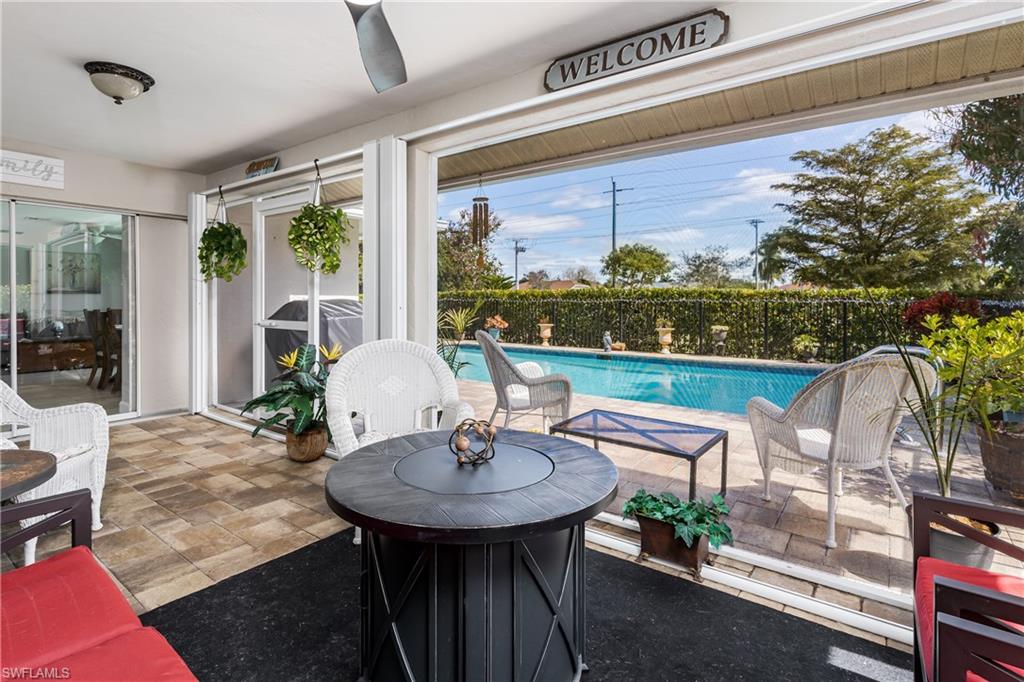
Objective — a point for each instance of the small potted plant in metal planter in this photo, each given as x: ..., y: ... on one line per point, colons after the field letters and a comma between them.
x: 297, y: 399
x: 545, y: 330
x: 665, y: 329
x: 806, y: 347
x: 494, y: 325
x: 678, y: 531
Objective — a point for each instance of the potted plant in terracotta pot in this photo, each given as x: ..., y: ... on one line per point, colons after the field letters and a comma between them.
x: 665, y: 329
x: 678, y: 531
x: 494, y: 325
x: 990, y: 357
x: 806, y: 347
x: 297, y: 396
x: 545, y: 326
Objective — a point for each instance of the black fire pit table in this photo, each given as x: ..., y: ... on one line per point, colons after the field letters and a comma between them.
x: 472, y: 573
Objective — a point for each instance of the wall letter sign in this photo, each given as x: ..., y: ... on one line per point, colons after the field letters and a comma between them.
x: 31, y: 169
x: 683, y: 37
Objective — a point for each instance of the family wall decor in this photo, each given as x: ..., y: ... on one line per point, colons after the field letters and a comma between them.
x: 31, y: 169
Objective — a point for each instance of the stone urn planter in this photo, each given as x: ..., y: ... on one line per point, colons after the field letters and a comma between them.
x: 307, y: 446
x: 665, y: 338
x: 657, y: 539
x: 545, y: 333
x: 718, y: 335
x: 1002, y: 455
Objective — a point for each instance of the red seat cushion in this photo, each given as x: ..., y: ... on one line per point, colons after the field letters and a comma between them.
x: 139, y: 656
x: 928, y: 568
x: 59, y: 606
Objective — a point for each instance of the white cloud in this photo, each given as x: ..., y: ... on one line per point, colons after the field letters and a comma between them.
x: 531, y: 225
x: 673, y: 238
x: 579, y: 196
x: 751, y: 184
x: 918, y: 122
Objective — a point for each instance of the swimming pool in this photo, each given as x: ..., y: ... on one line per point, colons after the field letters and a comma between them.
x: 719, y: 386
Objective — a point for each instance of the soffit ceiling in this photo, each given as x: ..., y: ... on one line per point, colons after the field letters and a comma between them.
x: 240, y: 80
x: 945, y: 61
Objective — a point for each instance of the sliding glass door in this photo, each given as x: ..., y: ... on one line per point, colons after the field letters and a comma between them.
x: 67, y: 317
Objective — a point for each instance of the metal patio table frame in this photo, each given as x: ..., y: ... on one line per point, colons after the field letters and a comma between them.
x: 576, y: 426
x: 472, y: 573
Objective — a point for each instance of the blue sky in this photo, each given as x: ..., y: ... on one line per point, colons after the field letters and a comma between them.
x: 680, y: 202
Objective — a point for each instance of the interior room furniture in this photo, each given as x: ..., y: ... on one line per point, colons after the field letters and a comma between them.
x: 23, y: 470
x: 845, y: 418
x: 523, y: 387
x: 54, y: 355
x: 65, y: 612
x: 96, y: 323
x: 472, y: 572
x: 687, y: 441
x: 112, y: 348
x: 968, y: 622
x: 77, y: 435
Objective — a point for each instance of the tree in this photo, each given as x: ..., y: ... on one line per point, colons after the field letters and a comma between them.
x: 988, y: 134
x: 887, y: 210
x: 580, y: 273
x: 535, y: 278
x: 498, y: 281
x: 636, y: 265
x: 458, y: 264
x: 711, y: 267
x: 1005, y: 246
x: 772, y: 263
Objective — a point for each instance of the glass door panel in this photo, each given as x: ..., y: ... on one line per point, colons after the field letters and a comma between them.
x: 341, y: 301
x: 73, y: 316
x: 7, y: 340
x: 232, y: 324
x: 285, y: 294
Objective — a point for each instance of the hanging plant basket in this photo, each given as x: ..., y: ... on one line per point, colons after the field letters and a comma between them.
x: 222, y: 248
x: 317, y: 233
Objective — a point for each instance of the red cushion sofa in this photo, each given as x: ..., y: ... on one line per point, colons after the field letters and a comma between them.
x: 65, y: 618
x: 969, y: 622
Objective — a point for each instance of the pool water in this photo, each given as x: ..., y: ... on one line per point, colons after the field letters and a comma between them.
x: 718, y: 386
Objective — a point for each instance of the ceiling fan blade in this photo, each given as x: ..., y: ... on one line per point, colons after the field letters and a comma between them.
x: 377, y: 46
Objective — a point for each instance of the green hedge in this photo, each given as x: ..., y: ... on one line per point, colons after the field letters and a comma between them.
x: 762, y: 324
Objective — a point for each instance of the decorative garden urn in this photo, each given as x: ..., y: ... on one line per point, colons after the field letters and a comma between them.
x: 545, y: 333
x: 665, y: 338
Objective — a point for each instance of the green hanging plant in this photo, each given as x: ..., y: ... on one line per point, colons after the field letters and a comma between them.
x: 222, y: 249
x: 316, y: 236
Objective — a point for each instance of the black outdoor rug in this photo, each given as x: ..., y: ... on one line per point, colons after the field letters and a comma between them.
x: 296, y: 618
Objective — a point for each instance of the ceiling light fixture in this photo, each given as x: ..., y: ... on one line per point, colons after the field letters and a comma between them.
x: 118, y: 81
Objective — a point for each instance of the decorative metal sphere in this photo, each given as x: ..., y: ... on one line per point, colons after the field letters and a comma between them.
x: 462, y: 447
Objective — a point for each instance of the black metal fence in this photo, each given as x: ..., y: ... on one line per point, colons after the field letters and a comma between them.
x: 758, y: 328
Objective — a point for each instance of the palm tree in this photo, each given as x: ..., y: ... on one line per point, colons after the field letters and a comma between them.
x: 772, y: 262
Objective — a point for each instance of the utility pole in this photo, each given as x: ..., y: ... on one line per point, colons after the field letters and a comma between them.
x: 756, y: 222
x: 518, y: 246
x: 615, y: 202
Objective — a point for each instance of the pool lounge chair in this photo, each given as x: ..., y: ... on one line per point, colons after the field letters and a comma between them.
x: 844, y: 419
x: 523, y: 387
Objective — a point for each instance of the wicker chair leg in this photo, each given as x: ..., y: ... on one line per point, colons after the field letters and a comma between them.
x: 357, y: 539
x: 493, y: 415
x: 830, y: 539
x: 839, y: 481
x: 508, y: 418
x: 30, y: 551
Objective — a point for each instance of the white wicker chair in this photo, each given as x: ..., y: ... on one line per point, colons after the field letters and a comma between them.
x: 78, y: 435
x: 524, y: 387
x: 392, y: 387
x: 844, y: 419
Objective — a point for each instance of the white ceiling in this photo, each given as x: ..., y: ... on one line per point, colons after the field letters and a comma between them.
x: 235, y: 81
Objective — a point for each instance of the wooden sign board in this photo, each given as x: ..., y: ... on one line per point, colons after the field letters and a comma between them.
x: 261, y: 167
x: 682, y: 37
x: 31, y: 169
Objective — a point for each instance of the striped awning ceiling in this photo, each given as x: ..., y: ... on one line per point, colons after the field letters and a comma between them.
x: 342, y: 191
x: 943, y: 61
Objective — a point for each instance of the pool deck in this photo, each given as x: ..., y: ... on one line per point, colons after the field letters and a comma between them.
x: 871, y: 529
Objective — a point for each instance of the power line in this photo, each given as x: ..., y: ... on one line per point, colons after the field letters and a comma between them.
x: 519, y: 246
x: 757, y: 248
x: 615, y: 204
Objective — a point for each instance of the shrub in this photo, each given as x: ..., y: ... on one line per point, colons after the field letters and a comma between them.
x: 945, y: 304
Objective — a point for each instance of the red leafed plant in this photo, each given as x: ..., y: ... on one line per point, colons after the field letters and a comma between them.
x: 945, y: 304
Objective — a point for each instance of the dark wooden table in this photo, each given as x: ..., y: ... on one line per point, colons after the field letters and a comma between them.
x: 688, y: 441
x: 22, y: 470
x: 472, y: 573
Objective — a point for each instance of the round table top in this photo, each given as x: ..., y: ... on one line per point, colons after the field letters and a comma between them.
x: 22, y: 470
x: 411, y: 488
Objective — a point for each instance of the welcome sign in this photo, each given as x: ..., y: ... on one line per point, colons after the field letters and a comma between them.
x: 683, y: 37
x: 31, y: 169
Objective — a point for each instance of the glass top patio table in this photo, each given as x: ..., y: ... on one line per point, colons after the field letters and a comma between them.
x: 677, y: 439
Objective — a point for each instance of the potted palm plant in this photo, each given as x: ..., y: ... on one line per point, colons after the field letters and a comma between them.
x: 665, y: 328
x: 297, y: 396
x: 990, y: 355
x: 665, y: 520
x: 545, y: 330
